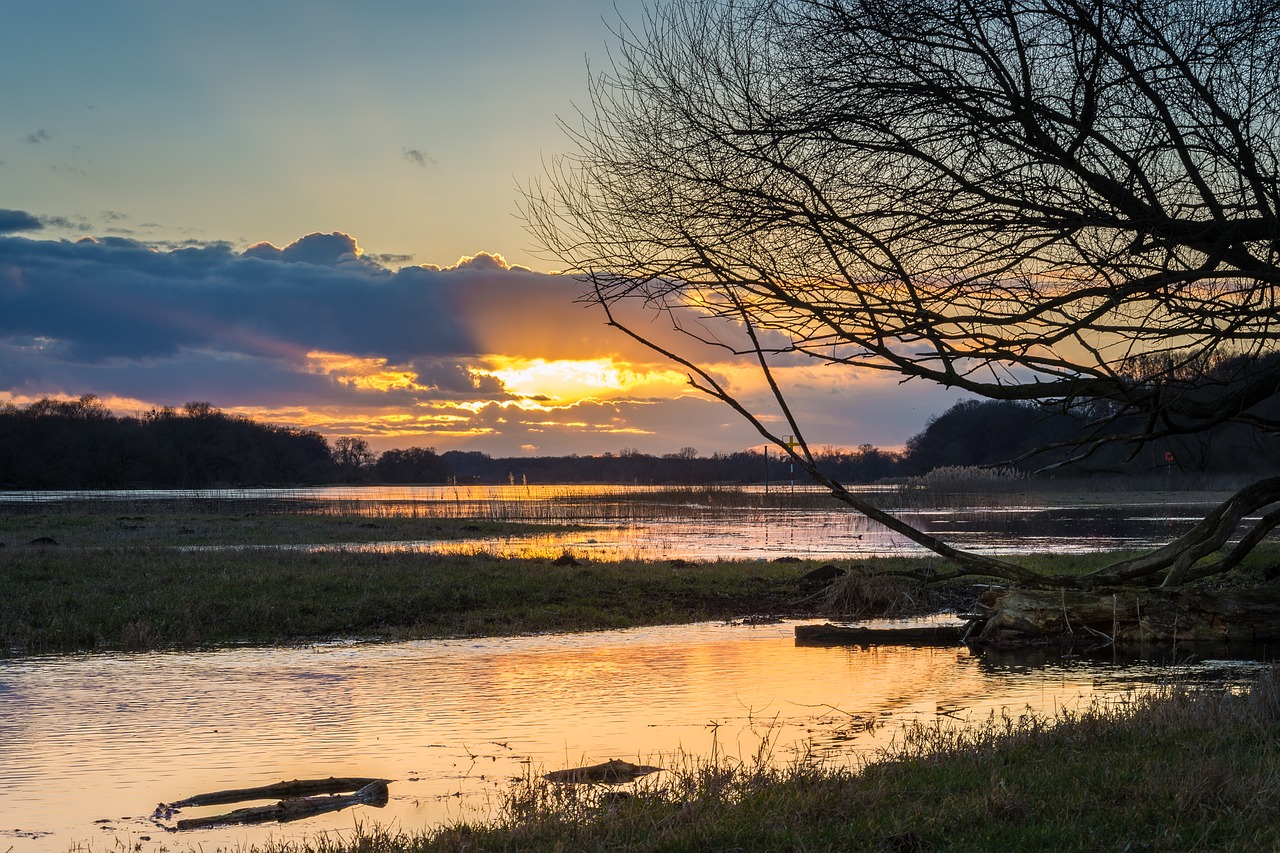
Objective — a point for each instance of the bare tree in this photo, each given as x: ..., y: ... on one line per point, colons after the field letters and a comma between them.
x: 1071, y: 202
x: 352, y: 455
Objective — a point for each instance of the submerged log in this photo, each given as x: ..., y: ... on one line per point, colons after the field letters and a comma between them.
x: 1129, y: 616
x: 373, y: 794
x: 612, y: 772
x: 921, y: 635
x: 295, y: 788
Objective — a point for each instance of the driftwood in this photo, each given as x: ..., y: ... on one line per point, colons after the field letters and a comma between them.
x: 374, y: 793
x: 924, y: 635
x: 1133, y: 617
x: 611, y: 772
x: 295, y: 788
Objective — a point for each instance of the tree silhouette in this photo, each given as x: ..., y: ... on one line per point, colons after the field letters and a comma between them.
x: 1066, y: 202
x: 352, y: 456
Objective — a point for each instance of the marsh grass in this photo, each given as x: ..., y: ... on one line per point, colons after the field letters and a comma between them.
x: 145, y: 574
x: 223, y: 523
x: 147, y: 598
x: 1182, y: 768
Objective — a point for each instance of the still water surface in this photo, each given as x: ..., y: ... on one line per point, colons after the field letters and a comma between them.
x: 90, y: 744
x: 648, y: 522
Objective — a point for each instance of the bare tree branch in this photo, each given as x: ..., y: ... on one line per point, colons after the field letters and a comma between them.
x: 1067, y: 202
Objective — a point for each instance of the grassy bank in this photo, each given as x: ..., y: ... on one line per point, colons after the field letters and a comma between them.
x: 149, y: 598
x: 1182, y: 770
x: 145, y: 576
x: 140, y: 598
x: 132, y: 598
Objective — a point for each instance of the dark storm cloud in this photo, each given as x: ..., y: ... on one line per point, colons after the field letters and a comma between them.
x: 115, y: 299
x: 313, y: 326
x: 13, y: 221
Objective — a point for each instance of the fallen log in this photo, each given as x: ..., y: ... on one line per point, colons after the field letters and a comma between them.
x: 1133, y: 616
x: 374, y: 794
x: 294, y: 788
x: 920, y: 635
x: 610, y: 772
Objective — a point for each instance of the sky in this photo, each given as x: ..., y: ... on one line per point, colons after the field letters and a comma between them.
x: 307, y: 213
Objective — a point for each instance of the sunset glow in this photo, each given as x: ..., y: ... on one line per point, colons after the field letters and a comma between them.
x: 371, y: 374
x: 334, y: 249
x: 565, y: 382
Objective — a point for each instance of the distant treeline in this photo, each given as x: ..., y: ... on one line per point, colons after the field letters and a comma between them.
x: 80, y: 444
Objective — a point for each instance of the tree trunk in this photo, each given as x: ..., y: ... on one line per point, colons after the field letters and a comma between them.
x: 1134, y: 616
x: 925, y: 635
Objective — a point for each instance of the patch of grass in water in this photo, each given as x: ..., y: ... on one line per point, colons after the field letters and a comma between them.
x: 90, y: 526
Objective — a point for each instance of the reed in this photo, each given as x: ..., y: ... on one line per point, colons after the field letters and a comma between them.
x: 1182, y: 768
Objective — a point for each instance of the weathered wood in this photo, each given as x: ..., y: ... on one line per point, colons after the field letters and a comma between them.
x: 1129, y: 616
x: 295, y: 788
x: 612, y: 772
x: 922, y: 635
x: 373, y: 794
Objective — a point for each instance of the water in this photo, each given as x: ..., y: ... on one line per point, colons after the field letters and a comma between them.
x: 91, y: 743
x: 656, y: 523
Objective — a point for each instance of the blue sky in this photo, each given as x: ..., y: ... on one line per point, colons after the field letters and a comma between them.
x: 306, y: 212
x: 408, y: 125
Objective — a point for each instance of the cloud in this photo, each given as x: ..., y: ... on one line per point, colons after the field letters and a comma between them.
x: 390, y: 260
x: 418, y: 157
x: 114, y: 298
x: 78, y: 225
x: 317, y: 334
x: 13, y: 221
x: 38, y: 137
x: 481, y: 261
x: 328, y: 250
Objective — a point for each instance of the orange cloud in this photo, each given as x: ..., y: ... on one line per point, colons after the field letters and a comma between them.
x: 372, y: 374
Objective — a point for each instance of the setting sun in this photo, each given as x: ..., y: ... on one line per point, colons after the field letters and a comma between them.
x: 565, y: 382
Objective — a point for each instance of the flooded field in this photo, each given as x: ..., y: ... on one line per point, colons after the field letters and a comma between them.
x: 91, y: 743
x: 707, y: 523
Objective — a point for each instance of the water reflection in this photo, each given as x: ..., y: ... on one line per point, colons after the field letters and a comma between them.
x: 658, y: 522
x: 452, y: 722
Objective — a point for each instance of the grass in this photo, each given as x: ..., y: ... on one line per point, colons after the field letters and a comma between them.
x: 128, y: 578
x: 1181, y: 769
x: 144, y: 598
x: 147, y: 598
x: 87, y: 525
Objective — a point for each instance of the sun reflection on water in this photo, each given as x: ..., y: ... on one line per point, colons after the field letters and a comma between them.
x: 106, y: 737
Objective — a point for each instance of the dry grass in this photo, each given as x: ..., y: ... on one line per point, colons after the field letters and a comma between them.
x: 1182, y: 769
